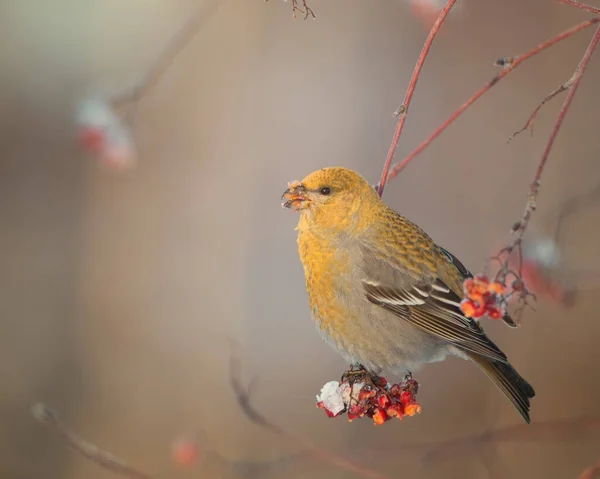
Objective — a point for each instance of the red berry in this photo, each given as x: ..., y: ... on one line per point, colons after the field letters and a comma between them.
x: 395, y: 410
x: 365, y: 393
x: 383, y: 401
x: 185, y: 453
x: 380, y: 416
x: 406, y: 398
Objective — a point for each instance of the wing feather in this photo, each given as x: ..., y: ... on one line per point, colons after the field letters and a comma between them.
x: 427, y: 303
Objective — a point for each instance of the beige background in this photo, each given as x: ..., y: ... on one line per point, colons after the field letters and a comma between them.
x: 118, y: 292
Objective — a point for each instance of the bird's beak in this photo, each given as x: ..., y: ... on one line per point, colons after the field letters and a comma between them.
x: 295, y: 196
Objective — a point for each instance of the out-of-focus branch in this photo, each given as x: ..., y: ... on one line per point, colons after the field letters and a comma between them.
x: 46, y: 415
x: 168, y: 54
x: 591, y: 472
x: 452, y: 448
x: 571, y: 206
x: 509, y: 64
x: 582, y: 6
x: 243, y: 398
x: 402, y: 110
x: 519, y: 433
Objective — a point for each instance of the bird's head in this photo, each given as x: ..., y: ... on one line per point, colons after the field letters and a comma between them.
x: 334, y: 199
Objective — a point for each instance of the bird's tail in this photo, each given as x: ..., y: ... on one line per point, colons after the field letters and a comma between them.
x: 509, y: 381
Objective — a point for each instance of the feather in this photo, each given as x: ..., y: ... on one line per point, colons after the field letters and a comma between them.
x: 514, y: 387
x: 427, y: 303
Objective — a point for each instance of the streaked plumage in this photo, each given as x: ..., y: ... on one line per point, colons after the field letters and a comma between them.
x: 380, y: 290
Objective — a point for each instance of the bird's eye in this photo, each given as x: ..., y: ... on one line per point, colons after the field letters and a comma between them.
x: 325, y: 190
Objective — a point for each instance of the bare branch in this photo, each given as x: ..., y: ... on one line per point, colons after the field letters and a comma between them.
x: 591, y: 472
x: 401, y: 111
x: 509, y: 65
x: 535, y: 185
x: 580, y: 5
x: 547, y: 98
x: 46, y: 415
x: 168, y: 54
x: 243, y: 398
x: 303, y: 10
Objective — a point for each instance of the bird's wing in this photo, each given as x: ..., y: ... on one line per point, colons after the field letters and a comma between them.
x: 424, y: 301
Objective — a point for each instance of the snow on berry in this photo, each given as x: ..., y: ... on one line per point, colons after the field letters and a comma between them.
x: 361, y: 394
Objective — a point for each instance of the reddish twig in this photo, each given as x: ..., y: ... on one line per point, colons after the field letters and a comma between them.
x: 580, y: 5
x: 591, y: 472
x: 547, y: 98
x: 44, y: 414
x: 535, y: 185
x: 401, y: 111
x: 519, y: 227
x: 243, y: 398
x: 509, y: 65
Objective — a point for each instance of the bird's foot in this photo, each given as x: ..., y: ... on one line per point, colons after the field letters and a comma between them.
x: 357, y: 373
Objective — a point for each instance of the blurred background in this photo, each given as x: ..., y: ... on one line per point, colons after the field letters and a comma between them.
x: 120, y: 287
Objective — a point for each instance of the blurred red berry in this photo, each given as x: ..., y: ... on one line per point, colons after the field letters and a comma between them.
x: 185, y: 453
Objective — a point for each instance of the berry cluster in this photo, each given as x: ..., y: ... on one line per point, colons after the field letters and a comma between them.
x: 482, y: 297
x: 370, y: 396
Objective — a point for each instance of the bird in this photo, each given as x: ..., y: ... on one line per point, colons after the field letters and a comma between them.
x: 381, y: 291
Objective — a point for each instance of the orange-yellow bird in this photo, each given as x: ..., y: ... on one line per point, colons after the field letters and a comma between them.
x: 381, y: 291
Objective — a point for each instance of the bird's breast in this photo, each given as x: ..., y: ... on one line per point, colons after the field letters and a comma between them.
x: 357, y: 328
x: 327, y: 269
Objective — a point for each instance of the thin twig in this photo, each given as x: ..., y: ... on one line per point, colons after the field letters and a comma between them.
x: 547, y: 98
x: 402, y: 110
x: 535, y: 185
x: 307, y: 12
x: 580, y: 5
x: 509, y: 65
x: 243, y: 398
x: 46, y: 415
